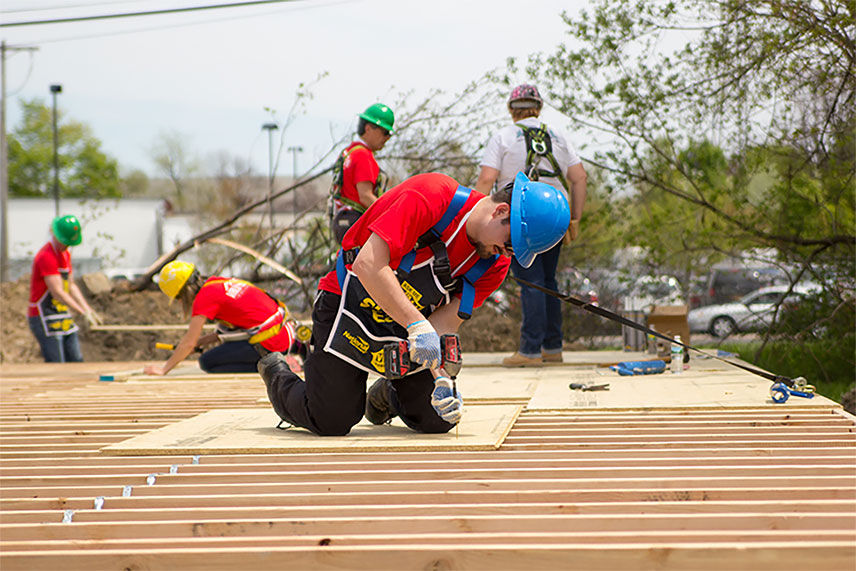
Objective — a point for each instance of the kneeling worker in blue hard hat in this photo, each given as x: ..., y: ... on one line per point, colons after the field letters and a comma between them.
x: 411, y: 269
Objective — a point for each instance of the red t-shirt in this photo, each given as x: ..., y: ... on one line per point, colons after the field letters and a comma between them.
x: 408, y: 211
x: 48, y: 262
x: 242, y: 305
x: 359, y: 166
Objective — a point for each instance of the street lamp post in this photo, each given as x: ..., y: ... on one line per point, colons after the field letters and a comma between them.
x: 55, y: 88
x: 294, y: 151
x: 270, y: 128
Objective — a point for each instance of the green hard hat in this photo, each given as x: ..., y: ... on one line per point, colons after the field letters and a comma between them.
x: 67, y: 230
x: 380, y: 115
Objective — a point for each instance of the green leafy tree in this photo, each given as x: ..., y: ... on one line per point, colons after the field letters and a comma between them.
x: 84, y: 169
x: 731, y: 124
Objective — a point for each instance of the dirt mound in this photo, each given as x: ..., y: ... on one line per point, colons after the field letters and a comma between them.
x: 118, y: 307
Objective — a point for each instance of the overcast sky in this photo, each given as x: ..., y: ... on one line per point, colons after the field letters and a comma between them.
x: 210, y: 74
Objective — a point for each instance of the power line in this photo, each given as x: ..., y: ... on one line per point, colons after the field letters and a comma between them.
x: 146, y: 13
x: 65, y: 6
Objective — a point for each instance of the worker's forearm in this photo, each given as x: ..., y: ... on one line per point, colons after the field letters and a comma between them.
x: 486, y: 180
x: 184, y: 348
x: 78, y: 297
x: 365, y: 190
x: 578, y: 199
x: 65, y: 298
x: 445, y: 318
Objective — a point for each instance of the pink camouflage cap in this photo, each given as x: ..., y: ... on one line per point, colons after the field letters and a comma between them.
x: 523, y: 96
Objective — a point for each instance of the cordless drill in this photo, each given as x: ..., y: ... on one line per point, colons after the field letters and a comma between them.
x: 397, y: 364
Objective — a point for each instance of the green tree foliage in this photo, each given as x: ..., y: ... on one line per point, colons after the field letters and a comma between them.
x: 771, y: 83
x: 724, y: 125
x: 84, y: 169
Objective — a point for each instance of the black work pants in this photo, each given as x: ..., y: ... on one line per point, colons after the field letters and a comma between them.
x: 230, y: 357
x: 332, y: 399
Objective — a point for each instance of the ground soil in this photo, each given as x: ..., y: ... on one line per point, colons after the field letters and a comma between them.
x: 487, y: 330
x: 118, y: 307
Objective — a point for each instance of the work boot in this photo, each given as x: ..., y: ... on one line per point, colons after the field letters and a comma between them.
x: 378, y: 407
x: 551, y: 357
x: 518, y: 360
x: 273, y: 366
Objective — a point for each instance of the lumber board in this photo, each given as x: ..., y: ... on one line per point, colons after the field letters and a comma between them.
x: 761, y: 556
x: 517, y: 537
x: 18, y: 514
x: 170, y: 500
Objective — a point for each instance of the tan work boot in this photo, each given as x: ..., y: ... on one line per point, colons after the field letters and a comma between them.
x: 518, y: 360
x: 551, y: 357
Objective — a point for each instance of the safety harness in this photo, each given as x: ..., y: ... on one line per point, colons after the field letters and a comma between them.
x: 440, y: 265
x: 338, y: 174
x: 265, y: 330
x: 539, y: 146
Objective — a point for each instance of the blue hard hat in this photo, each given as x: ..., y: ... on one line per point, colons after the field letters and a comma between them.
x: 540, y: 216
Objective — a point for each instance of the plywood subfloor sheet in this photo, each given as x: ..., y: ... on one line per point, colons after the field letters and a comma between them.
x: 695, y: 387
x: 254, y: 431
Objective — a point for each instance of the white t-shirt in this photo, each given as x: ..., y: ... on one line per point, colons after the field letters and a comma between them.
x: 506, y: 152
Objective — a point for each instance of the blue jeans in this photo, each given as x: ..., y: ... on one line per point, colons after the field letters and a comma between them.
x: 541, y: 327
x: 56, y: 348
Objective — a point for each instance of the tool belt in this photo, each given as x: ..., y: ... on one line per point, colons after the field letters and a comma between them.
x: 257, y: 334
x: 55, y: 317
x: 362, y: 328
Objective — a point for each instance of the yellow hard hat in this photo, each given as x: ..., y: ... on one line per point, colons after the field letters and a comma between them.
x: 173, y: 276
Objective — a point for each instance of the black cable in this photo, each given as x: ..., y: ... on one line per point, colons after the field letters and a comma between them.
x: 624, y: 321
x: 147, y: 13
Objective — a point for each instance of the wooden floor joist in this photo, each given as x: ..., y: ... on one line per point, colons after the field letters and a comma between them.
x: 746, y: 486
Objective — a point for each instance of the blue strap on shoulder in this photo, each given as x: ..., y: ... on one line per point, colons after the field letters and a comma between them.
x: 472, y: 275
x: 468, y: 294
x: 407, y: 261
x: 340, y: 269
x: 462, y: 194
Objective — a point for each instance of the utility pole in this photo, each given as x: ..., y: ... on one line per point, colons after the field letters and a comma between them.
x: 4, y: 162
x: 55, y: 88
x: 294, y: 151
x: 270, y: 128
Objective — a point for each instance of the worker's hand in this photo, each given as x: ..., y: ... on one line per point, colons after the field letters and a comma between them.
x: 446, y: 401
x: 574, y: 229
x: 424, y: 343
x: 93, y: 318
x: 153, y: 370
x: 206, y: 340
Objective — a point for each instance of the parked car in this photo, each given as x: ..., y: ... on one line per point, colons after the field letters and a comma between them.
x: 730, y: 283
x: 753, y: 312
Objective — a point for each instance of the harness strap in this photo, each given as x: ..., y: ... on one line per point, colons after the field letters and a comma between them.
x: 258, y: 333
x: 338, y: 179
x: 538, y: 142
x: 441, y: 266
x: 468, y: 293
